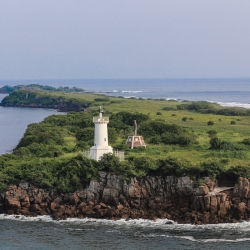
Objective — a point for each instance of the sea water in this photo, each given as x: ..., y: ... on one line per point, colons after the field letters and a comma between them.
x: 14, y: 121
x: 19, y: 232
x: 232, y: 92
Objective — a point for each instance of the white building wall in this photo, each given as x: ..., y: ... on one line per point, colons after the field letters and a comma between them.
x: 101, y: 134
x: 101, y: 138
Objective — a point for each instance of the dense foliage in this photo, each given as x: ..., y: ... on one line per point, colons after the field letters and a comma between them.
x: 9, y: 89
x: 36, y: 99
x: 50, y: 153
x: 159, y: 132
x: 212, y: 108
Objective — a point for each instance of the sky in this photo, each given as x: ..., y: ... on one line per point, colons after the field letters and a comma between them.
x: 120, y: 39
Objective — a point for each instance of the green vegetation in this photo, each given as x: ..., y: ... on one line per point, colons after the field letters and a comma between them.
x: 50, y: 153
x: 36, y: 87
x: 44, y: 99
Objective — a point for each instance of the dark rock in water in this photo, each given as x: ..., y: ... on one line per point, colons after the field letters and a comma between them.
x: 169, y: 222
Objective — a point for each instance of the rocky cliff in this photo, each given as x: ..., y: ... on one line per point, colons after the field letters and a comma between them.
x: 111, y: 197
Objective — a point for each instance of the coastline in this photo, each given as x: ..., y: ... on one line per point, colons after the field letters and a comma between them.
x: 190, y: 205
x: 112, y: 198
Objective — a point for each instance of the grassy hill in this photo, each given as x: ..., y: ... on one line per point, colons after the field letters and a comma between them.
x: 205, y: 140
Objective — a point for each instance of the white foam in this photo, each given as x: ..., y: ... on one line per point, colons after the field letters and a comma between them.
x: 25, y: 218
x: 234, y: 104
x: 172, y: 99
x: 159, y: 223
x: 131, y: 91
x: 191, y: 238
x: 130, y: 97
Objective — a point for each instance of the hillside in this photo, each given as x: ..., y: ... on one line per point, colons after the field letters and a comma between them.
x: 196, y: 139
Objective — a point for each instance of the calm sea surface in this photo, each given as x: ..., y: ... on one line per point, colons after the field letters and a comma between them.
x: 14, y: 121
x: 43, y: 233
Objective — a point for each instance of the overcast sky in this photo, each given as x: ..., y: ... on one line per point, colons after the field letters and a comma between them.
x: 85, y: 39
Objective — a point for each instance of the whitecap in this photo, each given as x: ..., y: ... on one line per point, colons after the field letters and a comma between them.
x: 25, y: 218
x: 131, y: 91
x: 191, y: 238
x: 234, y: 104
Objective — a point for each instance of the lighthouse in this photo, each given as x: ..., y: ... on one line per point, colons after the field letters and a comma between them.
x: 101, y: 137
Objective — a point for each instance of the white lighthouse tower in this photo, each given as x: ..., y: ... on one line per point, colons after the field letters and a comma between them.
x: 101, y: 137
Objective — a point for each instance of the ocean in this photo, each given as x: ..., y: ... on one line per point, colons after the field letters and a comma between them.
x: 14, y: 121
x: 229, y: 92
x: 42, y: 233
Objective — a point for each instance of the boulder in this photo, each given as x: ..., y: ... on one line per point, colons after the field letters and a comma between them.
x: 13, y: 203
x: 201, y: 190
x: 241, y: 208
x: 214, y: 204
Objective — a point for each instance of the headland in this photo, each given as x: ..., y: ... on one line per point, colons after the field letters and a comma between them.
x: 191, y: 148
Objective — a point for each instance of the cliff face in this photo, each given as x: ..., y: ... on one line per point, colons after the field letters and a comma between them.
x: 150, y: 198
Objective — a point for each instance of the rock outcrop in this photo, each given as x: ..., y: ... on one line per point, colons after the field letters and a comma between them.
x: 151, y: 197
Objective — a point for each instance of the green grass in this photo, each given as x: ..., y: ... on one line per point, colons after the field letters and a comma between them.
x: 197, y: 123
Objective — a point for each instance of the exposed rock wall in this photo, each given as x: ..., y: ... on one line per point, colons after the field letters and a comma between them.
x: 111, y: 197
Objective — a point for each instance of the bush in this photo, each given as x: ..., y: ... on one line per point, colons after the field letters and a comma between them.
x: 210, y: 123
x: 212, y: 169
x: 233, y: 122
x: 246, y: 141
x: 168, y: 108
x: 104, y: 99
x: 212, y: 133
x: 239, y: 171
x: 184, y: 119
x: 157, y: 131
x: 86, y: 135
x: 215, y: 143
x: 158, y: 113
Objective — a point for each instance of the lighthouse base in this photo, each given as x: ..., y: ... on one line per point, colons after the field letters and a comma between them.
x: 97, y: 152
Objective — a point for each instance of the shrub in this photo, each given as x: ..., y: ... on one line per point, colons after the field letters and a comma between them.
x: 212, y: 169
x: 155, y: 139
x: 104, y: 99
x: 158, y: 113
x: 246, y: 141
x: 168, y: 108
x: 212, y: 133
x: 184, y: 119
x: 109, y: 162
x: 239, y: 171
x: 215, y: 143
x: 233, y: 122
x: 210, y: 123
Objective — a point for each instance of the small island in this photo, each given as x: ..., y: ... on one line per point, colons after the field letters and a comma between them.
x: 194, y: 169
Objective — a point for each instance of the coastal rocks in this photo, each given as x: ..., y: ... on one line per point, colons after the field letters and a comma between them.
x: 202, y: 190
x: 151, y: 197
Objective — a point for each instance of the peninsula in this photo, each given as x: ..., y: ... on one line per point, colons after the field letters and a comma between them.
x: 192, y: 147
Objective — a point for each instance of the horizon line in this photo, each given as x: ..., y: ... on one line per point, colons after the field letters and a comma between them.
x: 156, y: 78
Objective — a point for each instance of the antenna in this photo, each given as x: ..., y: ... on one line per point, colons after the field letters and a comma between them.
x: 135, y: 127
